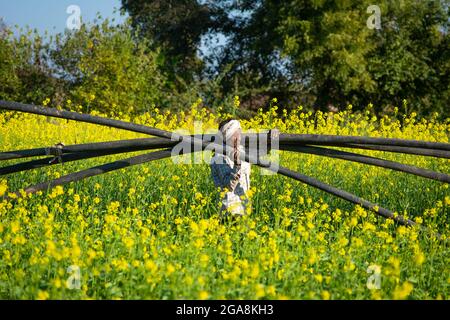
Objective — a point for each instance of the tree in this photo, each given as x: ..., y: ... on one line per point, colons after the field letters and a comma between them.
x: 25, y: 73
x: 9, y: 81
x: 175, y: 26
x: 412, y: 56
x: 106, y: 69
x: 334, y: 56
x: 254, y: 69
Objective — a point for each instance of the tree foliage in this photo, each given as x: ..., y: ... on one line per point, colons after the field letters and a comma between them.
x: 25, y: 73
x: 315, y: 51
x: 99, y: 67
x: 106, y: 69
x: 319, y: 53
x: 176, y: 27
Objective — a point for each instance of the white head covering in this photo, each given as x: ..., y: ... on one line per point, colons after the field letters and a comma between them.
x: 230, y: 128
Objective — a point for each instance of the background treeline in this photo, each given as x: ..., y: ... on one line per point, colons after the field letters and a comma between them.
x: 169, y: 53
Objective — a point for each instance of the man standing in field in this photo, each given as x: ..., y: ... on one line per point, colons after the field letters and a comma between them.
x: 231, y: 174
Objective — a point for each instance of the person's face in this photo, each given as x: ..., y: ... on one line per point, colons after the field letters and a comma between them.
x: 235, y: 138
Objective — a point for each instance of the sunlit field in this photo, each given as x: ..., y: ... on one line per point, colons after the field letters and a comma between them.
x: 153, y: 231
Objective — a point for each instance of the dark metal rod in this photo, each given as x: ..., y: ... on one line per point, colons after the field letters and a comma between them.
x: 283, y: 138
x: 115, y: 147
x: 76, y: 156
x: 94, y: 171
x: 406, y: 150
x: 165, y: 134
x: 155, y: 143
x: 17, y: 154
x: 359, y: 158
x: 345, y: 195
x: 319, y: 139
x: 65, y: 158
x: 167, y: 153
x: 136, y: 144
x: 69, y: 115
x: 126, y: 145
x: 332, y: 190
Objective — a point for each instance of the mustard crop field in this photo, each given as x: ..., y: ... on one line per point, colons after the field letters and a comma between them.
x: 153, y: 231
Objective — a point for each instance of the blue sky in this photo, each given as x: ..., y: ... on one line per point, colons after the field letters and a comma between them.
x: 51, y: 15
